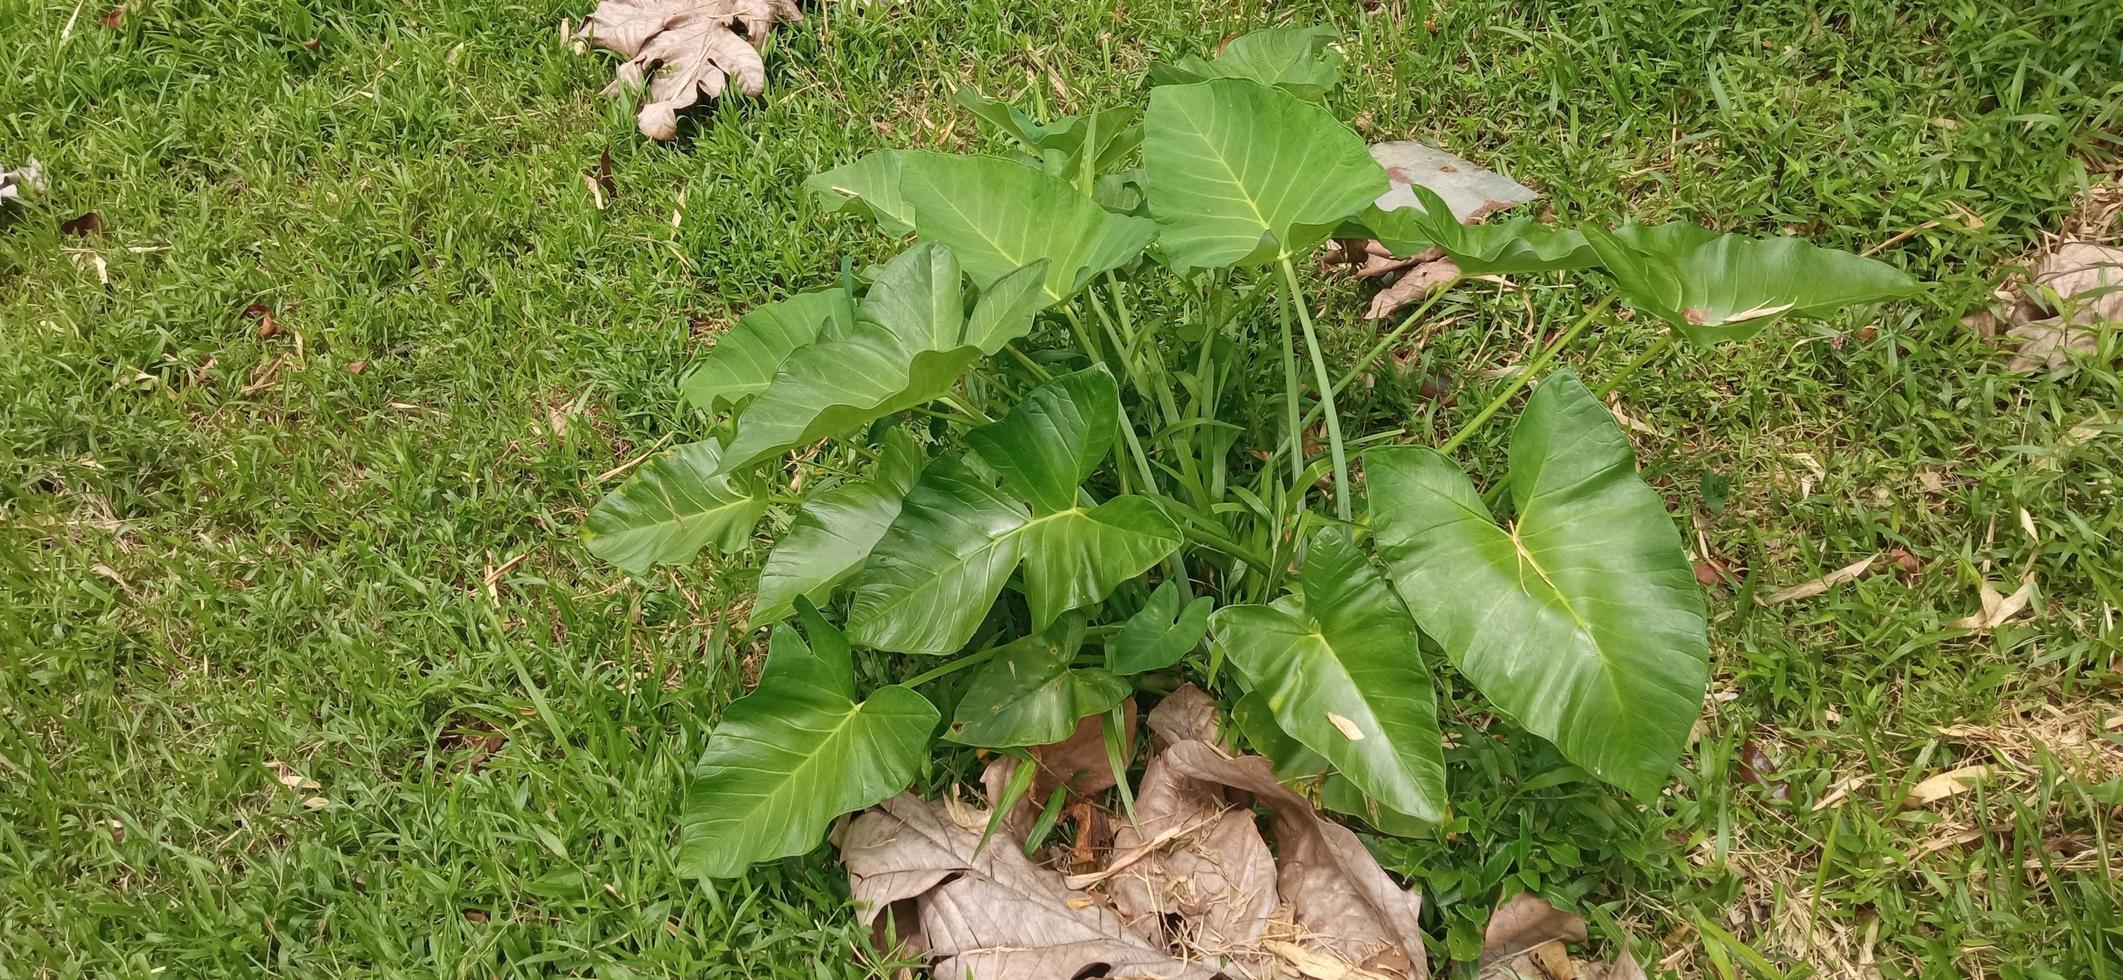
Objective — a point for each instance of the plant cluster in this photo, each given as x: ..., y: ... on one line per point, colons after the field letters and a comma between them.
x: 1035, y: 442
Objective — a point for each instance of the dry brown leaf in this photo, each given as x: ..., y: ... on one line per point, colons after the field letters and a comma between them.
x: 684, y: 49
x: 1548, y: 961
x: 1525, y: 923
x: 1998, y: 608
x: 1413, y: 285
x: 2053, y: 311
x: 990, y: 915
x: 1807, y: 590
x: 1950, y: 783
x: 1078, y: 761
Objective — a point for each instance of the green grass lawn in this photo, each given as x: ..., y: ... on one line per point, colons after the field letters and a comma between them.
x: 303, y: 672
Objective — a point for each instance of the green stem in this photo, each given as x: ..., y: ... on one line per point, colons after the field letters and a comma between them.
x: 1297, y: 428
x: 1342, y: 506
x: 1630, y: 368
x: 969, y: 660
x: 1525, y: 377
x: 1218, y: 542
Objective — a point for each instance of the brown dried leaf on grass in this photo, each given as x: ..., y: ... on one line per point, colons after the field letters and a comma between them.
x: 1525, y: 939
x: 1078, y: 761
x: 2054, y: 310
x: 1192, y: 883
x: 1807, y: 590
x: 1998, y: 608
x: 683, y: 50
x: 1472, y: 193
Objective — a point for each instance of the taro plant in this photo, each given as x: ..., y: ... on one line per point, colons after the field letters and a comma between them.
x: 1061, y: 447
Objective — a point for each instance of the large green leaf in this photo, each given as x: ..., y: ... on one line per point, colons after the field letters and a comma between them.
x: 933, y: 577
x: 743, y: 360
x: 1338, y: 665
x: 796, y: 753
x: 957, y: 539
x: 834, y: 531
x: 1053, y: 440
x: 867, y: 186
x: 1078, y: 556
x: 1162, y: 632
x: 1517, y: 245
x: 1240, y: 173
x: 1714, y: 287
x: 671, y: 508
x: 1301, y: 60
x: 938, y: 569
x: 1583, y: 619
x: 909, y: 343
x: 1030, y: 694
x: 995, y: 215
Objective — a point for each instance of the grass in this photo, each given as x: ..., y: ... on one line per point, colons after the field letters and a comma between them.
x: 302, y: 672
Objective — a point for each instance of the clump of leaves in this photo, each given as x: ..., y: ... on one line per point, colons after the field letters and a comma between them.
x: 1070, y: 441
x: 680, y: 51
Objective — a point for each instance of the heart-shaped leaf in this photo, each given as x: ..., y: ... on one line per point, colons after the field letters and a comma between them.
x: 1300, y: 60
x: 909, y: 343
x: 671, y: 508
x: 868, y: 186
x: 743, y: 361
x: 798, y: 751
x: 1053, y: 440
x: 1582, y: 620
x: 1240, y: 173
x: 1161, y: 633
x: 996, y: 216
x: 1074, y: 149
x: 1714, y: 287
x: 834, y: 531
x: 1518, y: 245
x: 1338, y: 665
x: 1030, y: 694
x: 939, y: 567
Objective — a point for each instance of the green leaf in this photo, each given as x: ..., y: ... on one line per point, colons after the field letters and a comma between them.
x: 1339, y: 794
x: 1518, y: 245
x: 743, y: 360
x: 940, y: 566
x: 869, y: 186
x: 671, y: 508
x: 1078, y: 556
x: 1293, y: 762
x: 938, y: 569
x: 1339, y: 667
x: 795, y: 753
x: 1031, y: 695
x: 1301, y: 60
x: 909, y: 344
x: 996, y: 216
x: 1240, y: 173
x: 1161, y: 633
x: 1714, y: 287
x: 1075, y: 149
x: 1583, y: 620
x: 1054, y: 439
x: 835, y: 530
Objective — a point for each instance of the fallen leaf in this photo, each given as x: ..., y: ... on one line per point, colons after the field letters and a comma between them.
x: 1998, y: 608
x: 1807, y: 590
x: 1078, y: 761
x: 1413, y: 285
x: 21, y: 181
x: 1950, y: 783
x: 89, y: 223
x: 356, y: 366
x: 2067, y: 290
x: 1525, y: 922
x: 114, y: 17
x: 987, y: 913
x: 267, y: 325
x: 1756, y: 766
x: 1471, y: 191
x: 1839, y: 793
x: 681, y: 50
x: 1909, y: 566
x: 1548, y: 961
